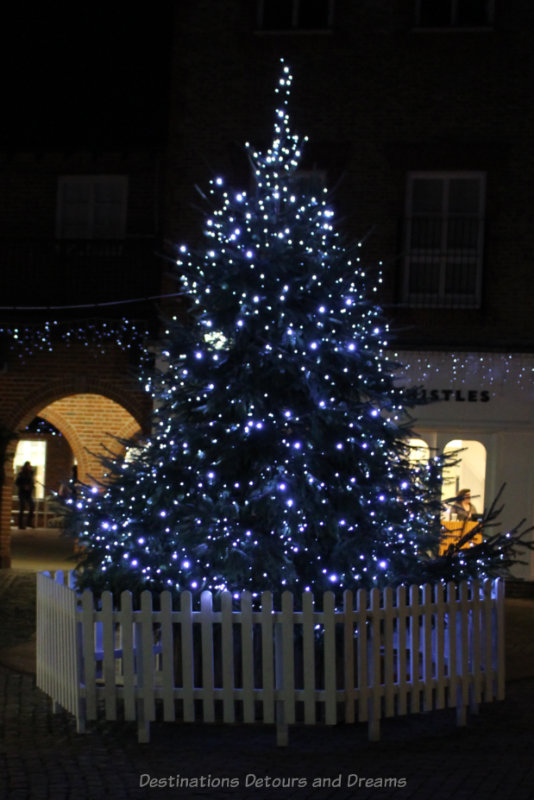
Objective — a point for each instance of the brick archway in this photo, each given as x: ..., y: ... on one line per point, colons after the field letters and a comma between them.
x: 114, y: 410
x: 59, y: 388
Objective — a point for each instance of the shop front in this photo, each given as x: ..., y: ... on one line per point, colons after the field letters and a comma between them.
x: 479, y: 406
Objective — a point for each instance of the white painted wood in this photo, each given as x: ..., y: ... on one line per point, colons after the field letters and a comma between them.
x: 375, y: 667
x: 389, y: 682
x: 361, y: 633
x: 228, y: 668
x: 330, y: 682
x: 167, y: 657
x: 129, y: 655
x: 58, y: 667
x: 282, y: 730
x: 402, y: 651
x: 247, y: 657
x: 414, y: 644
x: 438, y: 650
x: 463, y: 624
x: 287, y: 691
x: 439, y: 647
x: 349, y: 662
x: 266, y: 618
x: 89, y: 648
x: 186, y: 620
x: 426, y: 647
x: 475, y: 626
x: 145, y: 659
x: 308, y: 657
x: 108, y: 649
x: 206, y: 621
x: 487, y: 641
x: 451, y: 644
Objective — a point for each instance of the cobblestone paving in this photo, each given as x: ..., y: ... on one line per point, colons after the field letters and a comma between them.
x: 43, y: 758
x: 17, y: 607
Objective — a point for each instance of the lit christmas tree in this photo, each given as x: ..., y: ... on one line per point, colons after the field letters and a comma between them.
x: 279, y: 456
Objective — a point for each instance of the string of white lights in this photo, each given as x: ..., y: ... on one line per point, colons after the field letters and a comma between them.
x: 490, y: 369
x: 96, y: 335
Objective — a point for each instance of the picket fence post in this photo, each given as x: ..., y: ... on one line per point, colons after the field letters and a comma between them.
x: 308, y: 657
x: 269, y: 646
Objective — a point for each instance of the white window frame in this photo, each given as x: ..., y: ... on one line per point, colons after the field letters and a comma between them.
x: 295, y: 26
x: 119, y: 182
x: 444, y: 255
x: 453, y: 17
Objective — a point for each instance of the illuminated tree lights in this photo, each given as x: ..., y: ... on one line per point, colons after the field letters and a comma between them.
x: 279, y: 456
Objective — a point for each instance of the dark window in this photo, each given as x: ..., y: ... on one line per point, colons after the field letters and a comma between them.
x: 454, y: 13
x: 283, y: 15
x: 91, y: 206
x: 309, y: 182
x: 472, y: 13
x: 313, y: 14
x: 444, y: 237
x: 277, y: 14
x: 434, y: 13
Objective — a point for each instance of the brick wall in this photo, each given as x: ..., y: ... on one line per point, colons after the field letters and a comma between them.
x: 58, y: 462
x: 29, y: 181
x: 90, y: 423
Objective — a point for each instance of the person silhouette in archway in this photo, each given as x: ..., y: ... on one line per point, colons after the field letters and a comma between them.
x: 26, y: 486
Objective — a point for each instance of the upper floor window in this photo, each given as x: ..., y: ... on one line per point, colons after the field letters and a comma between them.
x: 444, y: 231
x: 295, y: 15
x: 91, y: 206
x: 454, y: 13
x: 305, y: 182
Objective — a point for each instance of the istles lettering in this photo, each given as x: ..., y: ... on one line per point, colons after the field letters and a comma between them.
x: 455, y: 395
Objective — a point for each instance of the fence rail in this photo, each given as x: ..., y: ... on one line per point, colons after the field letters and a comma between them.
x: 382, y: 654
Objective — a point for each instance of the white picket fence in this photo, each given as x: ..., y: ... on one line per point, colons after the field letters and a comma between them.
x: 238, y: 660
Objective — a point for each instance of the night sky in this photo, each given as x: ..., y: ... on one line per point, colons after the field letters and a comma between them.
x: 84, y: 74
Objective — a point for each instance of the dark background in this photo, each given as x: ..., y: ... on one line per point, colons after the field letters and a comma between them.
x: 75, y: 74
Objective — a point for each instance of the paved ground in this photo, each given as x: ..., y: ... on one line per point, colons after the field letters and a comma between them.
x: 42, y: 757
x: 40, y: 549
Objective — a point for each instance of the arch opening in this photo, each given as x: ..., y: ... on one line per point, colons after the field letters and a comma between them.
x: 63, y: 441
